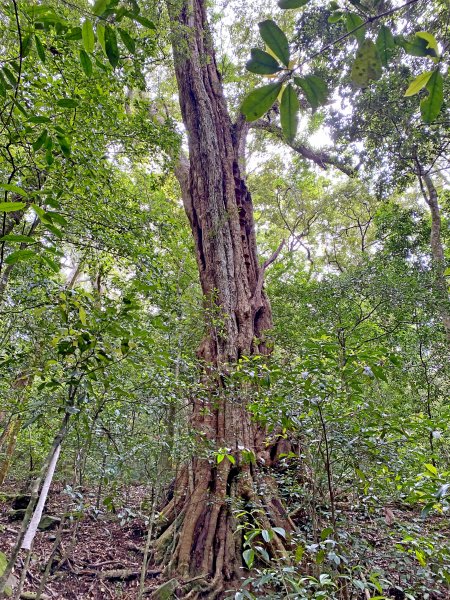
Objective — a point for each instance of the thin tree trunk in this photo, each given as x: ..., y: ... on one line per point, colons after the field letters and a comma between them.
x: 33, y: 500
x: 220, y: 212
x: 431, y: 197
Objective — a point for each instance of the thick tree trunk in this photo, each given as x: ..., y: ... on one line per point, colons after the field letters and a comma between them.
x: 200, y: 532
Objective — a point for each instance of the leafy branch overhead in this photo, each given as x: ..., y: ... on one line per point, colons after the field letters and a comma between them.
x: 375, y: 50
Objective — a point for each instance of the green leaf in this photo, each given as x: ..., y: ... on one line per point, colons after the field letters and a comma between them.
x: 430, y: 106
x: 99, y: 7
x: 20, y: 255
x: 367, y: 65
x: 10, y: 76
x: 11, y: 206
x: 86, y: 63
x: 3, y: 86
x: 249, y: 556
x: 40, y: 48
x: 430, y: 39
x: 335, y: 16
x: 416, y: 46
x: 289, y: 107
x: 299, y: 552
x: 39, y: 120
x: 9, y: 187
x: 51, y: 263
x: 419, y: 82
x: 100, y: 30
x: 37, y: 145
x: 275, y: 39
x: 127, y: 40
x: 74, y: 33
x: 67, y: 103
x: 262, y: 63
x: 258, y: 102
x: 354, y: 22
x: 53, y: 230
x: 385, y: 44
x: 280, y: 531
x: 287, y: 4
x: 220, y: 458
x: 267, y: 535
x: 64, y: 144
x: 314, y: 88
x: 431, y: 469
x: 13, y: 237
x: 143, y: 21
x: 426, y: 509
x: 87, y: 33
x: 111, y: 48
x: 26, y: 45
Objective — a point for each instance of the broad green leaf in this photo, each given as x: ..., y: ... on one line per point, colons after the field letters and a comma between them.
x: 111, y: 48
x: 3, y: 86
x: 9, y: 187
x: 280, y: 531
x: 74, y: 34
x: 289, y: 107
x: 144, y: 21
x: 39, y: 120
x: 276, y: 40
x: 13, y: 237
x: 431, y: 469
x: 127, y: 40
x: 82, y: 315
x: 86, y: 63
x: 27, y: 43
x: 249, y: 556
x: 260, y: 100
x: 99, y: 7
x: 385, y: 44
x: 314, y: 88
x: 430, y: 106
x: 37, y: 145
x: 67, y: 103
x: 262, y: 63
x: 354, y: 25
x: 430, y: 39
x: 419, y: 82
x: 20, y: 255
x: 10, y: 76
x: 415, y: 46
x: 3, y: 563
x: 11, y: 206
x: 267, y: 535
x: 299, y: 552
x: 53, y: 230
x: 286, y: 4
x: 40, y: 48
x: 87, y: 32
x: 100, y: 30
x: 64, y: 144
x: 51, y: 263
x: 335, y: 16
x: 367, y: 65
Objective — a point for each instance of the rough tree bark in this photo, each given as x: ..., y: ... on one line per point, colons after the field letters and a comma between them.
x: 199, y: 535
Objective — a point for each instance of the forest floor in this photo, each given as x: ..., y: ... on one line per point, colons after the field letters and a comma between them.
x: 101, y: 551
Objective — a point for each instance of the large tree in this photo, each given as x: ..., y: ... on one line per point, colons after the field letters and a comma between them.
x: 220, y: 212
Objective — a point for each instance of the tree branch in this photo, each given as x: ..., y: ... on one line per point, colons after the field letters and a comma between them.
x: 322, y: 159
